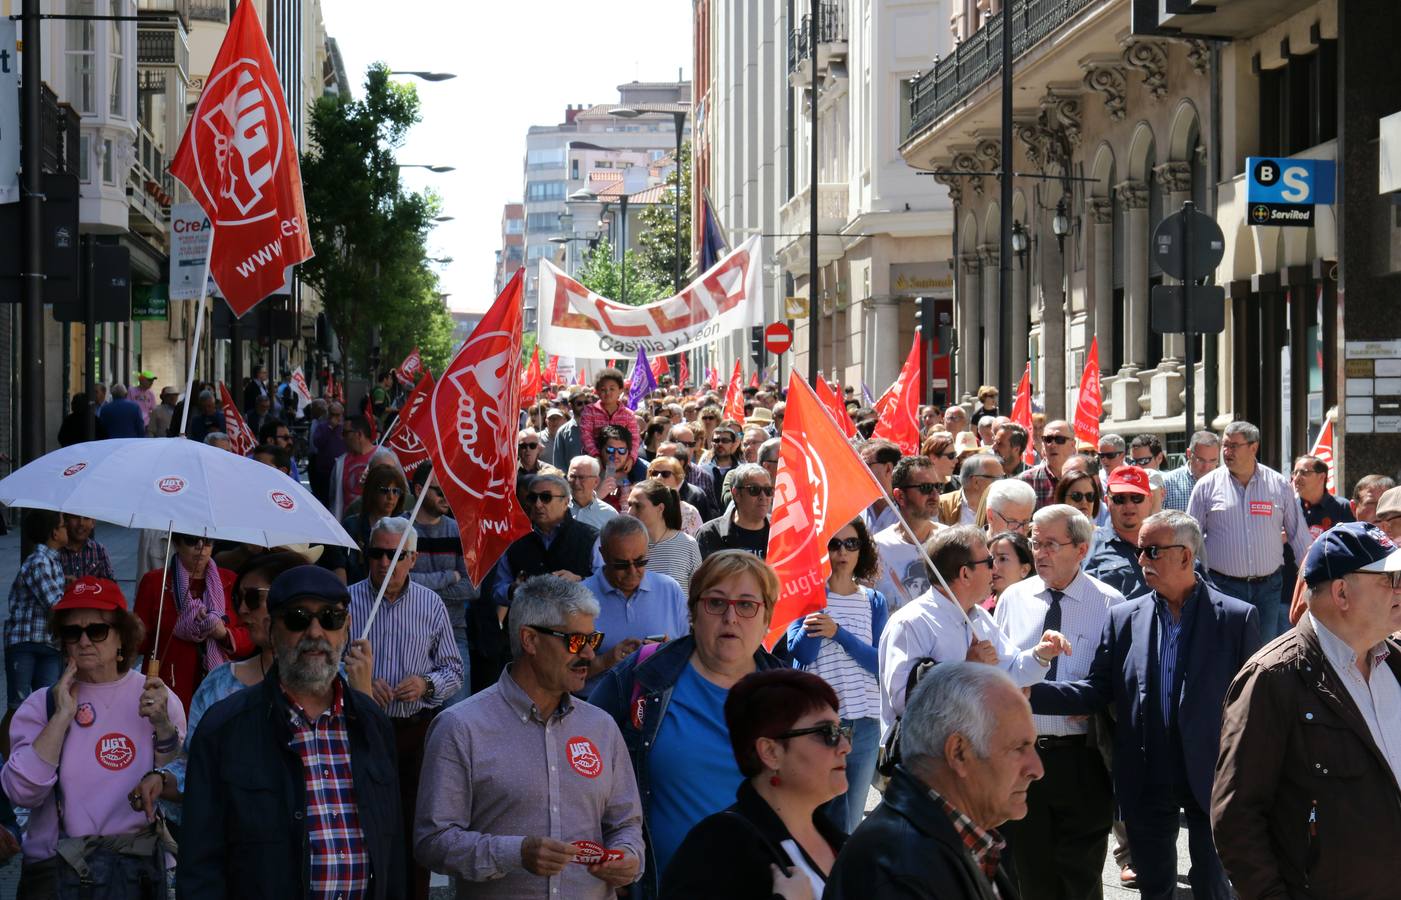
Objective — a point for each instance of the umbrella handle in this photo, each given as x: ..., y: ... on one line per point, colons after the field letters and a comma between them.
x: 153, y: 668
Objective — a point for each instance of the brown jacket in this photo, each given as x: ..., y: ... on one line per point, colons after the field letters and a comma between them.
x: 1304, y: 804
x: 950, y: 507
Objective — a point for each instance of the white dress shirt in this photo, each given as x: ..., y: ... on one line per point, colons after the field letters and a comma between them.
x: 931, y: 627
x: 1021, y: 614
x: 1378, y: 697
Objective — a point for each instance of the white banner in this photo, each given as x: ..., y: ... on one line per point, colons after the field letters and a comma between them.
x: 9, y: 113
x: 189, y: 245
x: 574, y: 321
x: 303, y: 392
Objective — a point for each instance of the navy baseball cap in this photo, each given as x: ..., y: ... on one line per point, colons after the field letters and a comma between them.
x: 306, y: 582
x: 1347, y: 548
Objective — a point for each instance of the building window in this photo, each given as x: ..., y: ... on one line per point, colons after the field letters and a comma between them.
x: 108, y: 175
x: 515, y: 226
x: 544, y: 190
x: 80, y: 56
x: 117, y: 40
x: 85, y: 159
x: 1299, y: 102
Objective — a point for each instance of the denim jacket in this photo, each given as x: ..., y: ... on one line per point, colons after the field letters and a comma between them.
x: 641, y: 720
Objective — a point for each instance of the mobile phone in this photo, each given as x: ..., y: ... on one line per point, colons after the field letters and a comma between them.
x: 655, y: 638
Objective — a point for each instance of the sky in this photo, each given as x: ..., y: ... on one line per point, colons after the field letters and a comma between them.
x: 518, y: 63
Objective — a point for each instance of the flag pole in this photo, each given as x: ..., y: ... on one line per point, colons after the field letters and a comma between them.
x: 199, y: 335
x: 153, y: 665
x: 394, y: 560
x: 928, y: 562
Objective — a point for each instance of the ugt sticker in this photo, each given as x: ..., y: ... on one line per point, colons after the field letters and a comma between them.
x: 584, y: 758
x: 115, y: 751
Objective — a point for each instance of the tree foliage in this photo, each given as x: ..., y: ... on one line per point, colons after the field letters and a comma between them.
x: 603, y: 275
x: 368, y: 232
x: 658, y: 236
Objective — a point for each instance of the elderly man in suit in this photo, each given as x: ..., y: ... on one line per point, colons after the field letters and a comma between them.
x: 1164, y: 664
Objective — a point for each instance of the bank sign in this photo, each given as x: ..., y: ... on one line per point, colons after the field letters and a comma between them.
x: 1284, y: 192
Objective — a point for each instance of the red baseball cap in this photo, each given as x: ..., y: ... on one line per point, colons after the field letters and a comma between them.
x: 90, y: 592
x: 1130, y: 480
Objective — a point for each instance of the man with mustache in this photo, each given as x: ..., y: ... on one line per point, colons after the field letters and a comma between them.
x: 292, y: 787
x: 1164, y: 664
x: 417, y: 664
x: 525, y: 789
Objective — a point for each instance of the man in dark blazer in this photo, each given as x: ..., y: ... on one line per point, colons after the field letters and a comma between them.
x: 1163, y: 666
x: 966, y: 770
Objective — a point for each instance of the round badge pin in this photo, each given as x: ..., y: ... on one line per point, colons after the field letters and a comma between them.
x: 85, y: 715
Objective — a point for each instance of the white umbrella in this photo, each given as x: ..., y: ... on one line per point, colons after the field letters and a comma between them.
x: 174, y: 484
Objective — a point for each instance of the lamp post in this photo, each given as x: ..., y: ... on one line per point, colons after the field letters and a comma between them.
x: 1060, y: 224
x: 438, y: 169
x: 426, y: 76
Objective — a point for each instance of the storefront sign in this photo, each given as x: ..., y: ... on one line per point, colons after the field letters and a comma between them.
x: 9, y: 113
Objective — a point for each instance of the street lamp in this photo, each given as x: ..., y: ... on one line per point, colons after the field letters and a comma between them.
x: 678, y: 117
x: 1019, y: 242
x: 1060, y: 224
x: 443, y: 260
x: 426, y: 76
x: 444, y: 218
x: 438, y: 169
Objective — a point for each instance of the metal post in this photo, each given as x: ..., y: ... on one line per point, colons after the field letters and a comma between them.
x: 680, y: 119
x: 89, y: 289
x: 33, y: 430
x: 623, y: 242
x: 813, y: 320
x: 1189, y: 351
x: 1002, y: 378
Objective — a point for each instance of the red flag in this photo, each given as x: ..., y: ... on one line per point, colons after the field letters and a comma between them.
x: 821, y: 485
x: 659, y: 367
x: 469, y: 425
x: 242, y: 440
x: 734, y: 397
x: 1090, y: 402
x: 898, y: 407
x: 712, y: 378
x: 551, y: 370
x: 367, y: 409
x: 1323, y: 449
x: 685, y: 374
x: 583, y: 378
x: 754, y: 379
x: 835, y: 408
x: 410, y: 369
x: 1021, y: 412
x: 401, y: 438
x: 238, y: 157
x: 530, y: 381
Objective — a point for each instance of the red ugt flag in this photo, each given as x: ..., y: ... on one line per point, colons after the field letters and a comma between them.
x: 401, y: 439
x: 238, y: 157
x: 1323, y: 449
x: 835, y: 408
x: 410, y: 369
x: 734, y: 397
x: 242, y: 440
x: 551, y: 370
x: 898, y: 407
x: 821, y: 485
x: 1021, y: 412
x: 530, y: 382
x: 469, y: 425
x: 660, y: 367
x: 1090, y: 403
x: 685, y: 374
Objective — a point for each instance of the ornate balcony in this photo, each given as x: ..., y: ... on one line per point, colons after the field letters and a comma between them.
x: 831, y: 41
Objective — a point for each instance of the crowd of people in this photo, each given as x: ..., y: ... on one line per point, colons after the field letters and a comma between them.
x: 1031, y: 645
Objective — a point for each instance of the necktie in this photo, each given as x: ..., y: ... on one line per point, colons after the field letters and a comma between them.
x: 1052, y: 623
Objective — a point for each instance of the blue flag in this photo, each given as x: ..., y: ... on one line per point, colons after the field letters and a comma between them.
x: 642, y: 382
x: 713, y: 244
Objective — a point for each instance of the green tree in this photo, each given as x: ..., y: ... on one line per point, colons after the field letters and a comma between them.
x: 368, y: 232
x: 658, y: 236
x: 603, y: 275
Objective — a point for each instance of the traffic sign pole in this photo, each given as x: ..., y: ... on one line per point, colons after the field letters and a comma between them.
x: 1189, y: 350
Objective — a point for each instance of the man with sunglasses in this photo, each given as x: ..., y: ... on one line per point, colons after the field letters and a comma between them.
x: 687, y: 445
x: 292, y: 786
x: 1112, y: 451
x: 568, y: 441
x: 417, y: 663
x: 530, y: 459
x: 725, y: 455
x: 1163, y: 666
x: 634, y: 604
x: 915, y: 489
x: 1058, y: 445
x: 747, y: 527
x: 519, y: 776
x: 276, y: 433
x: 1146, y: 452
x: 1113, y: 555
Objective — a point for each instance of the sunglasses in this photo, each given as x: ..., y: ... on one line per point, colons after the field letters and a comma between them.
x: 374, y: 553
x: 850, y: 545
x: 661, y: 474
x: 1111, y: 455
x: 754, y: 490
x: 1080, y: 496
x: 390, y: 491
x: 1057, y: 439
x: 252, y: 598
x: 546, y: 497
x: 1135, y: 499
x: 623, y: 565
x: 194, y: 540
x: 926, y: 488
x: 96, y: 631
x: 949, y: 456
x: 724, y: 439
x: 615, y: 451
x: 573, y: 642
x: 974, y: 563
x: 330, y: 618
x: 831, y: 733
x: 745, y: 609
x: 1153, y: 551
x: 1140, y: 460
x: 710, y: 418
x: 527, y: 446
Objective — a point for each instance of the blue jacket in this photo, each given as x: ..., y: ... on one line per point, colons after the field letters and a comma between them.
x: 244, y: 830
x: 656, y: 679
x: 803, y: 648
x: 122, y: 418
x: 1225, y: 632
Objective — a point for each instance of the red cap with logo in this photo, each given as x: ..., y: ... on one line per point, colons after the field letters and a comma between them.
x: 1130, y: 480
x: 90, y: 592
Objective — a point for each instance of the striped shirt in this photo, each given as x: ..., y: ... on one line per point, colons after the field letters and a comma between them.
x: 677, y: 556
x: 858, y: 694
x: 92, y: 559
x: 1177, y: 488
x: 1170, y: 637
x: 411, y: 635
x: 340, y: 861
x: 1241, y: 524
x: 1021, y: 614
x: 37, y: 587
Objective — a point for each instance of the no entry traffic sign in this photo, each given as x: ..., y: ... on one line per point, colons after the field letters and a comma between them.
x: 778, y: 337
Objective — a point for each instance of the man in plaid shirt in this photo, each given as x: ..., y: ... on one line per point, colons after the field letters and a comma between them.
x: 31, y: 659
x: 1059, y: 442
x: 83, y: 555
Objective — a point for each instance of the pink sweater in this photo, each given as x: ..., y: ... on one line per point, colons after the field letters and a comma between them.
x: 101, y: 764
x: 594, y: 418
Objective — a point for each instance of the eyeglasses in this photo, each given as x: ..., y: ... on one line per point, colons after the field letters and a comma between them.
x: 373, y: 553
x: 974, y: 563
x: 949, y: 456
x: 1392, y: 578
x: 1153, y: 551
x: 96, y: 631
x: 754, y: 490
x: 689, y: 445
x: 1235, y: 445
x: 1135, y: 499
x: 579, y: 404
x: 330, y: 618
x: 252, y: 598
x: 282, y: 437
x: 1012, y: 524
x: 527, y: 446
x: 831, y: 733
x: 580, y: 479
x: 615, y: 451
x: 545, y: 497
x: 926, y: 488
x: 850, y: 545
x: 1057, y: 439
x: 623, y: 565
x: 724, y: 438
x: 1039, y: 545
x: 745, y: 609
x: 1140, y: 460
x: 573, y: 642
x: 194, y: 540
x: 1115, y: 455
x: 1080, y: 496
x: 389, y: 490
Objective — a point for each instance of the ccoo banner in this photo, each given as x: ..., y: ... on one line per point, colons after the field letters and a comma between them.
x: 575, y: 321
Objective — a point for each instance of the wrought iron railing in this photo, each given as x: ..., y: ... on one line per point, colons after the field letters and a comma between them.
x: 979, y: 58
x: 831, y: 29
x: 209, y: 10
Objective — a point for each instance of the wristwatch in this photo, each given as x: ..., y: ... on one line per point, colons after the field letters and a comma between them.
x: 427, y: 691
